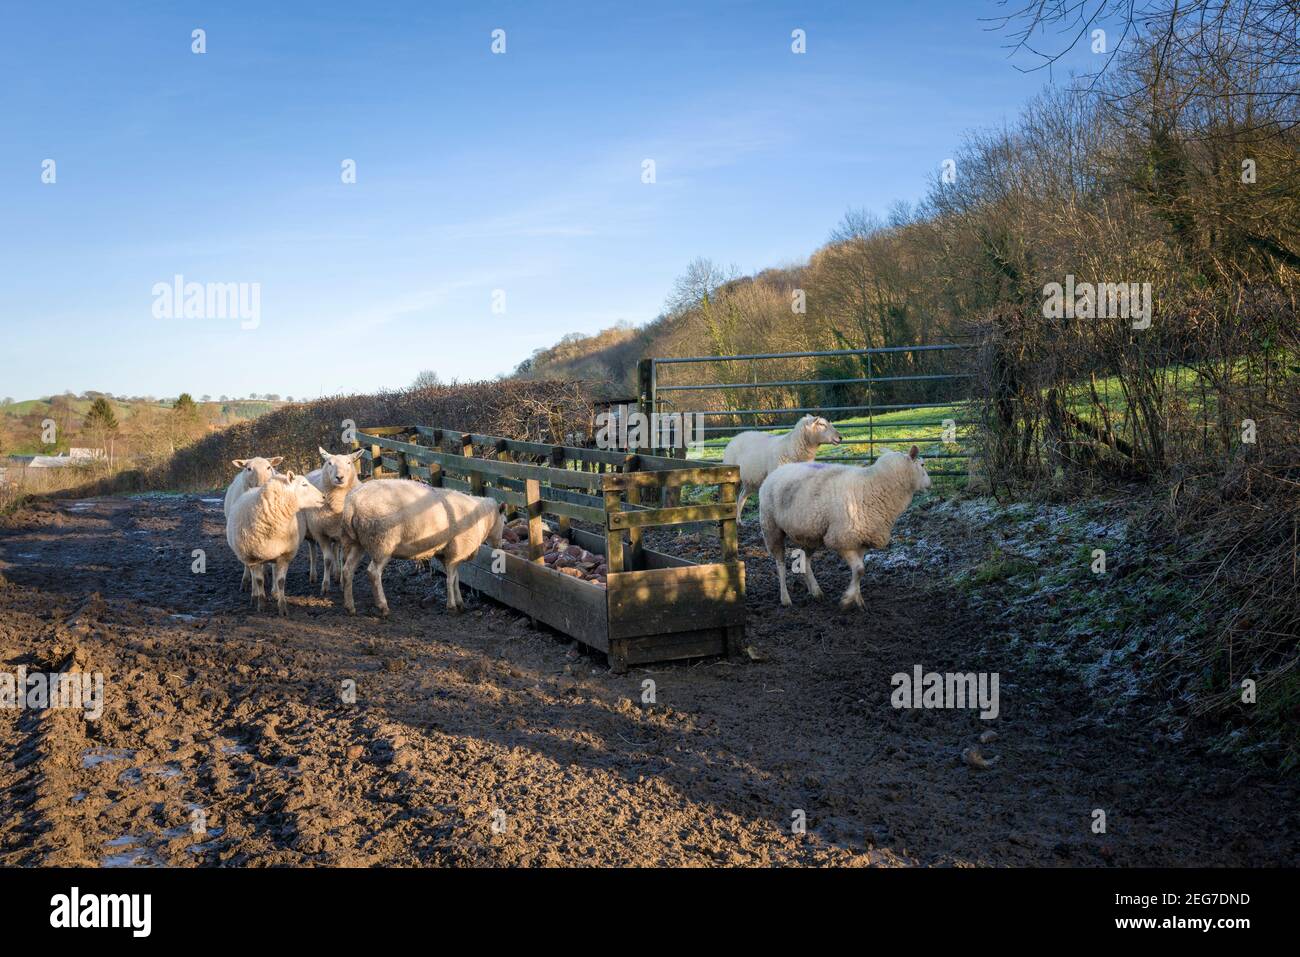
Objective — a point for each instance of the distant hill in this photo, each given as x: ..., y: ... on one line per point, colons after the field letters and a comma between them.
x: 20, y: 421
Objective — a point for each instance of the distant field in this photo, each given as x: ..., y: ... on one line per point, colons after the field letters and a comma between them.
x: 16, y: 418
x: 236, y: 408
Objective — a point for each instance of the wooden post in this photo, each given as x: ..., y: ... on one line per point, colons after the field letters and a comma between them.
x: 558, y: 462
x: 504, y: 454
x: 376, y: 466
x: 613, y: 536
x: 633, y: 498
x: 727, y: 529
x: 617, y: 656
x: 536, y: 530
x: 645, y: 376
x: 475, y: 478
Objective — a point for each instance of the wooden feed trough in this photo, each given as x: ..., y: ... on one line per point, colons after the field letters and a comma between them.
x: 654, y: 607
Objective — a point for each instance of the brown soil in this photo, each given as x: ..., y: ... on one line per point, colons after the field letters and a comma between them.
x: 239, y: 716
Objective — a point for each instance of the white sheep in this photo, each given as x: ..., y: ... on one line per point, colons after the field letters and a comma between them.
x: 759, y: 454
x: 845, y: 508
x: 264, y: 525
x: 400, y: 518
x: 336, y: 478
x: 252, y: 473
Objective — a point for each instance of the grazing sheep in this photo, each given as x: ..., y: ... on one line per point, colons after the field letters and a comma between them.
x: 252, y: 473
x: 336, y: 478
x: 399, y: 518
x: 264, y: 526
x: 846, y: 508
x: 759, y: 454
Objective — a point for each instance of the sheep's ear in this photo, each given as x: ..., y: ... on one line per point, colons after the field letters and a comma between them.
x: 239, y: 463
x: 356, y: 456
x: 289, y: 475
x: 276, y: 461
x: 914, y: 452
x: 323, y: 453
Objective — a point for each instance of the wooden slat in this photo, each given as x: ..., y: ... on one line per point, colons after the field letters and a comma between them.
x: 671, y: 516
x: 572, y: 453
x: 517, y: 499
x: 678, y: 645
x: 711, y: 475
x: 667, y: 600
x: 565, y: 478
x: 573, y: 606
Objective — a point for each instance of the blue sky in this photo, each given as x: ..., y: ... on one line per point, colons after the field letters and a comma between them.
x: 476, y: 172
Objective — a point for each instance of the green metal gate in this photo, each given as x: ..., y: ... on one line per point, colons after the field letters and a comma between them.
x: 939, y: 420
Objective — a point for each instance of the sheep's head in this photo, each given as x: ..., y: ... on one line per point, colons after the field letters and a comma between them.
x: 818, y: 431
x: 257, y: 470
x: 909, y: 463
x: 921, y: 476
x: 339, y: 471
x: 303, y: 492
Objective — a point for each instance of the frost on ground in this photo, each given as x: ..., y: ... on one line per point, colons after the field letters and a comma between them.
x: 1071, y: 586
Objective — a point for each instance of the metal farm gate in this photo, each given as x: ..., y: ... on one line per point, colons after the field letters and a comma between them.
x: 894, y: 396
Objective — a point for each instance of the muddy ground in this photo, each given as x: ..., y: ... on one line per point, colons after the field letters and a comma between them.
x: 478, y: 740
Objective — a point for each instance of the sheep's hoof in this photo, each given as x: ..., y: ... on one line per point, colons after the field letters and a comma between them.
x: 350, y: 609
x: 785, y: 600
x: 383, y: 612
x: 816, y: 593
x: 849, y: 601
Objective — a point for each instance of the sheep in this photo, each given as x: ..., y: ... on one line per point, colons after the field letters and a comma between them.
x: 264, y: 526
x: 252, y: 473
x: 400, y: 518
x: 336, y: 478
x: 759, y: 454
x: 846, y: 508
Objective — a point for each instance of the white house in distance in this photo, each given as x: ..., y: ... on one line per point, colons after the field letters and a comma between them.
x: 74, y: 457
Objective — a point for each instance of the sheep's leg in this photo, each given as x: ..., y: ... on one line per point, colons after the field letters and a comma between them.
x: 258, y: 586
x: 328, y: 569
x: 813, y: 588
x: 853, y: 594
x: 339, y: 555
x: 243, y: 581
x: 311, y: 562
x: 376, y: 572
x: 280, y: 570
x: 453, y: 587
x: 350, y: 564
x: 774, y: 539
x: 740, y: 505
